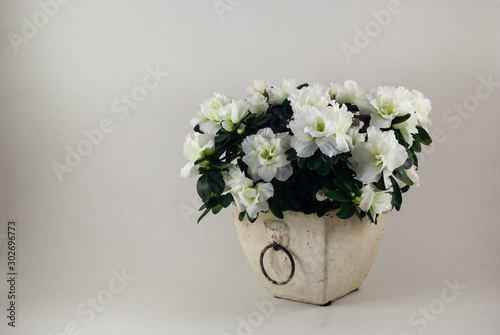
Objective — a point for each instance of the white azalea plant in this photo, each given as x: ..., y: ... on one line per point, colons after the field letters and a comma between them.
x: 308, y: 148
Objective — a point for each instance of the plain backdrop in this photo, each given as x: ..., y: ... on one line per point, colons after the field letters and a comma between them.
x: 66, y: 68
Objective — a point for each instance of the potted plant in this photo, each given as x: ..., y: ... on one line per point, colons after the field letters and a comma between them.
x: 311, y: 171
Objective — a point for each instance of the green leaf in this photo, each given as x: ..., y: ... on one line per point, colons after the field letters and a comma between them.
x: 276, y: 211
x: 198, y: 161
x: 216, y: 209
x: 291, y: 154
x: 401, y: 174
x: 286, y: 108
x: 203, y: 215
x: 360, y: 215
x: 324, y: 169
x: 413, y: 156
x: 363, y: 118
x: 341, y: 186
x: 252, y: 220
x: 380, y: 184
x: 314, y: 161
x: 332, y: 160
x: 216, y: 182
x: 241, y: 216
x: 397, y: 198
x: 342, y: 176
x: 203, y: 189
x: 338, y: 196
x: 400, y: 138
x: 343, y: 181
x: 400, y: 119
x: 346, y: 210
x: 322, y: 210
x: 408, y: 163
x: 212, y: 202
x: 424, y: 136
x: 222, y: 136
x: 225, y: 200
x: 276, y: 203
x: 372, y: 219
x: 220, y: 164
x: 352, y: 108
x: 250, y: 117
x: 416, y: 144
x: 261, y: 120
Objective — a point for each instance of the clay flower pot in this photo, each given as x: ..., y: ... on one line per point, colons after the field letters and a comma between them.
x: 306, y: 258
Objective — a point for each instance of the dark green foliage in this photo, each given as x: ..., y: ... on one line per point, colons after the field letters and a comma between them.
x: 241, y: 216
x: 203, y: 214
x: 397, y: 198
x: 251, y: 219
x: 346, y: 210
x: 203, y: 188
x: 400, y: 173
x: 314, y: 161
x: 401, y: 119
x: 352, y: 108
x: 225, y: 200
x: 338, y: 196
x: 423, y: 136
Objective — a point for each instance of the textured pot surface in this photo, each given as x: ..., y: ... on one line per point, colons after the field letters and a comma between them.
x: 332, y: 256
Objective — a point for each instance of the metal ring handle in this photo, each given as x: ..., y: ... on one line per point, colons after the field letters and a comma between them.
x: 277, y: 247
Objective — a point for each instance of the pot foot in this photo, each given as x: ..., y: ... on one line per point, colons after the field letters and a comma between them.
x: 327, y: 304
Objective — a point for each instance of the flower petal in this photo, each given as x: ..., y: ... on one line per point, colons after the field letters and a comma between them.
x: 189, y: 170
x: 284, y: 172
x: 267, y: 172
x: 304, y: 149
x: 210, y: 127
x: 266, y: 190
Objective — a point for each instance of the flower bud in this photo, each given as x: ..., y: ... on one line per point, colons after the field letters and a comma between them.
x: 241, y: 128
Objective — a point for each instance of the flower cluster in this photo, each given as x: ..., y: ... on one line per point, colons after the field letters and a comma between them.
x: 309, y: 148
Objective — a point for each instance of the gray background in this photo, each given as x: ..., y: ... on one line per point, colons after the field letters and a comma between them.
x: 125, y: 208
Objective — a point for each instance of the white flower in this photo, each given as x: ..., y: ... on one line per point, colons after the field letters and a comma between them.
x: 210, y: 116
x: 356, y: 136
x: 349, y: 92
x: 258, y: 103
x: 377, y: 157
x: 374, y: 201
x: 407, y: 128
x: 313, y: 95
x: 260, y: 86
x: 422, y: 108
x: 197, y: 147
x: 412, y: 174
x: 232, y: 176
x: 278, y: 95
x: 265, y: 155
x: 233, y: 113
x: 387, y: 103
x: 323, y: 127
x: 320, y: 195
x: 247, y: 196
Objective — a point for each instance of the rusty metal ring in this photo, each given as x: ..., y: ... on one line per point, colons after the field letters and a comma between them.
x: 276, y: 247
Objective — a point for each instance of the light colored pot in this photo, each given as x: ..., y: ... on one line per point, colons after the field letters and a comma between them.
x: 331, y: 256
